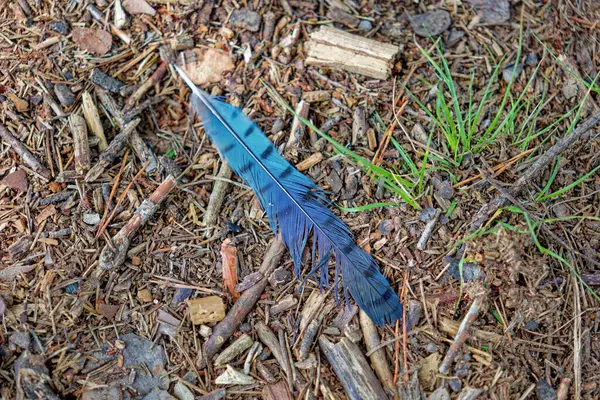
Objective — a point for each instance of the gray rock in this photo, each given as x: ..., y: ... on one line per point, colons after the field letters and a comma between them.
x: 532, y: 325
x: 453, y: 37
x: 92, y: 219
x: 431, y: 348
x: 470, y: 271
x: 531, y: 59
x: 491, y: 11
x: 511, y: 73
x: 60, y: 26
x: 64, y: 94
x: 280, y: 277
x: 544, y: 391
x: 431, y: 23
x: 142, y: 351
x: 365, y: 25
x: 182, y: 392
x: 182, y: 294
x: 439, y: 394
x: 245, y: 19
x: 20, y: 340
x: 455, y: 385
x: 158, y: 394
x: 414, y: 314
x: 443, y: 188
x: 106, y: 393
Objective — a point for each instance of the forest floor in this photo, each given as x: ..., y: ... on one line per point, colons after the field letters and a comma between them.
x: 467, y: 165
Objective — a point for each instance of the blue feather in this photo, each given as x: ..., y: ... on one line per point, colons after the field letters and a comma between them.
x: 295, y: 207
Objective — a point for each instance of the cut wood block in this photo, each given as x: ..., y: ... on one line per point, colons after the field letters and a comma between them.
x: 338, y: 49
x: 206, y: 309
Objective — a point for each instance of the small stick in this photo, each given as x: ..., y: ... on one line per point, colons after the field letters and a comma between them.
x: 144, y: 87
x: 90, y: 112
x: 298, y: 128
x: 121, y: 198
x: 378, y: 358
x: 542, y: 162
x: 113, y: 191
x: 563, y: 389
x: 21, y: 150
x: 461, y: 335
x: 422, y: 243
x: 141, y: 149
x: 81, y: 147
x: 131, y: 114
x: 112, y: 151
x: 113, y: 256
x: 266, y: 335
x: 217, y: 196
x: 224, y: 329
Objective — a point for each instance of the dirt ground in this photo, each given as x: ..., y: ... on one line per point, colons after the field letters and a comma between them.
x: 466, y: 165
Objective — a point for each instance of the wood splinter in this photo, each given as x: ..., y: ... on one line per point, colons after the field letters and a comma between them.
x: 23, y: 152
x: 114, y: 254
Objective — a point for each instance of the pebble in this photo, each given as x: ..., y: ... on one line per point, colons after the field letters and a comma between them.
x: 280, y: 277
x: 443, y: 188
x: 60, y: 26
x: 544, y: 391
x: 365, y: 25
x: 470, y: 271
x: 92, y: 219
x: 182, y: 294
x: 245, y: 19
x: 414, y: 314
x: 182, y: 392
x: 462, y: 369
x: 431, y: 23
x: 531, y: 59
x: 394, y: 29
x: 20, y: 340
x: 278, y: 126
x: 455, y: 385
x: 509, y: 71
x: 532, y: 325
x: 453, y: 37
x: 491, y: 11
x: 64, y: 94
x: 560, y: 210
x: 106, y: 82
x: 431, y: 348
x: 205, y: 331
x: 439, y: 394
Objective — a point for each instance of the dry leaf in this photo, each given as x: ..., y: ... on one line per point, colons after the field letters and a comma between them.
x: 206, y: 66
x: 16, y: 180
x: 138, y: 7
x: 46, y: 212
x: 95, y: 41
x: 20, y: 104
x: 429, y: 369
x: 229, y: 264
x: 108, y: 311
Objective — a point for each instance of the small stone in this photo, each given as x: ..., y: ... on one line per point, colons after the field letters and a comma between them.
x: 59, y: 26
x: 278, y: 126
x: 158, y: 394
x: 453, y: 37
x: 570, y: 89
x: 510, y: 72
x: 205, y: 331
x: 280, y: 277
x: 105, y: 393
x: 138, y: 7
x: 427, y: 214
x: 431, y: 348
x: 462, y: 369
x: 532, y: 325
x: 469, y: 393
x: 414, y: 314
x: 470, y: 271
x: 92, y: 219
x: 491, y: 11
x: 245, y: 19
x: 145, y: 295
x: 439, y: 394
x: 386, y: 227
x: 105, y: 82
x: 365, y: 25
x: 531, y: 59
x: 443, y: 188
x: 560, y: 210
x: 182, y: 392
x: 455, y: 385
x: 16, y: 180
x: 544, y: 391
x: 245, y: 327
x: 334, y: 180
x: 20, y: 340
x: 431, y: 23
x: 64, y: 94
x: 182, y: 294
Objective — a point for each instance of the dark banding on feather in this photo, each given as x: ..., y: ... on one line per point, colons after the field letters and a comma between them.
x: 228, y: 148
x: 287, y: 172
x: 268, y: 151
x: 248, y: 131
x: 370, y: 272
x: 246, y: 167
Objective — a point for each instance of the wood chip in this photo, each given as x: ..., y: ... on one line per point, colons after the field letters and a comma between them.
x: 95, y: 41
x: 206, y: 309
x: 205, y: 66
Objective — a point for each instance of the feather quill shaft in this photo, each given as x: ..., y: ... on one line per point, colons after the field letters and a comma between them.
x: 295, y: 207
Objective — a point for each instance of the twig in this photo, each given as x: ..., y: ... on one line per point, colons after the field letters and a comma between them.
x: 217, y: 196
x: 543, y: 161
x: 112, y: 151
x: 21, y: 150
x: 90, y: 112
x: 422, y: 243
x: 113, y: 256
x: 462, y: 334
x: 378, y: 358
x: 244, y: 305
x: 144, y: 87
x: 81, y: 147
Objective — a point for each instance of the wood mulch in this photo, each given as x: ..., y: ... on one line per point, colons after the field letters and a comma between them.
x: 135, y: 264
